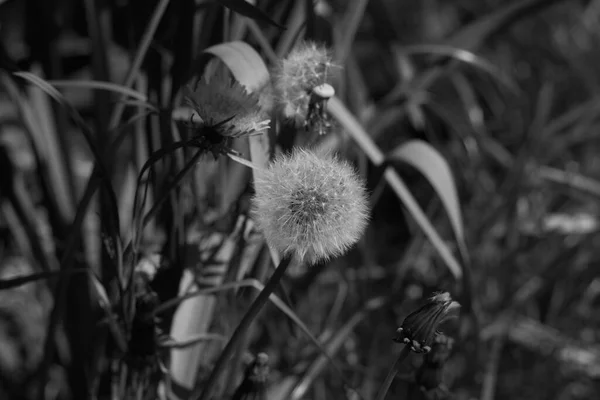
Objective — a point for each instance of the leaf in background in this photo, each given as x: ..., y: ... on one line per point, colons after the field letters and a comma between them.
x: 473, y: 35
x: 466, y: 56
x: 38, y: 121
x: 244, y: 62
x: 332, y: 347
x: 60, y: 99
x: 192, y: 292
x: 339, y: 112
x: 99, y: 85
x: 246, y: 9
x: 88, y: 135
x: 193, y: 317
x: 428, y: 161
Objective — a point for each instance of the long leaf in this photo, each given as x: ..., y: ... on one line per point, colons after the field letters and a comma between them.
x: 472, y: 36
x: 244, y: 62
x: 347, y: 120
x: 99, y: 85
x: 427, y: 160
x: 332, y: 347
x: 277, y: 302
x: 464, y: 56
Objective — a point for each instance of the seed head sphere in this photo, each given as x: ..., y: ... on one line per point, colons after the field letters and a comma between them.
x: 310, y: 205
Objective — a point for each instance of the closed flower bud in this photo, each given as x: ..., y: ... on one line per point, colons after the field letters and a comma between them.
x: 420, y: 327
x: 308, y: 66
x: 314, y: 207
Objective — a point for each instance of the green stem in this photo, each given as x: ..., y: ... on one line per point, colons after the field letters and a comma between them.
x: 243, y: 326
x: 392, y: 374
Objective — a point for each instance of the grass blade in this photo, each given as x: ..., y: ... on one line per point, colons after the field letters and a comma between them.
x: 347, y: 120
x: 427, y: 160
x: 99, y: 85
x: 246, y: 9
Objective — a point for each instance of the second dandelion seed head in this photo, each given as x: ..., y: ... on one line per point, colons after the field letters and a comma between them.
x: 310, y: 205
x: 301, y: 84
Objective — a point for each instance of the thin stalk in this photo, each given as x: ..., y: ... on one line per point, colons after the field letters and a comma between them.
x: 385, y: 386
x: 243, y: 326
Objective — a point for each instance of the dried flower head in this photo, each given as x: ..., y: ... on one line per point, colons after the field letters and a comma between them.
x: 307, y: 66
x: 223, y: 103
x: 420, y: 327
x: 310, y: 205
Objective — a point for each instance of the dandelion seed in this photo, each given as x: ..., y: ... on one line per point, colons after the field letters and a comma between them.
x: 298, y: 81
x: 309, y: 205
x: 420, y: 327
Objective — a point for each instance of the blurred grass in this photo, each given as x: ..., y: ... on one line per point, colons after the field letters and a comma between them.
x: 499, y: 206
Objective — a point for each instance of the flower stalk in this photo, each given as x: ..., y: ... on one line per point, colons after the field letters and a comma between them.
x: 385, y: 386
x: 419, y: 332
x: 255, y: 308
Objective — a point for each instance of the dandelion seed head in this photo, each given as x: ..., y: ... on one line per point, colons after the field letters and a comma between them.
x: 310, y: 205
x: 307, y: 66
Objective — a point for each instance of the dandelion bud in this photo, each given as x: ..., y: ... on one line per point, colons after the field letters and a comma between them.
x: 312, y: 206
x: 419, y: 328
x: 304, y: 70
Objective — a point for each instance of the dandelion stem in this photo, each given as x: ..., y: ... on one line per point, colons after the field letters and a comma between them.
x: 250, y: 315
x: 385, y: 386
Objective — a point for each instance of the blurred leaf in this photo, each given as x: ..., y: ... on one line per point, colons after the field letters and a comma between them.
x: 346, y: 30
x: 87, y: 133
x: 111, y: 87
x: 570, y: 179
x: 427, y: 160
x: 140, y: 54
x: 362, y: 138
x: 280, y: 304
x: 246, y: 9
x: 465, y: 56
x: 472, y: 36
x: 244, y: 62
x: 473, y: 110
x: 44, y: 138
x: 262, y: 41
x: 296, y: 21
x: 194, y: 316
x: 583, y: 358
x: 299, y: 389
x: 60, y: 99
x: 17, y: 281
